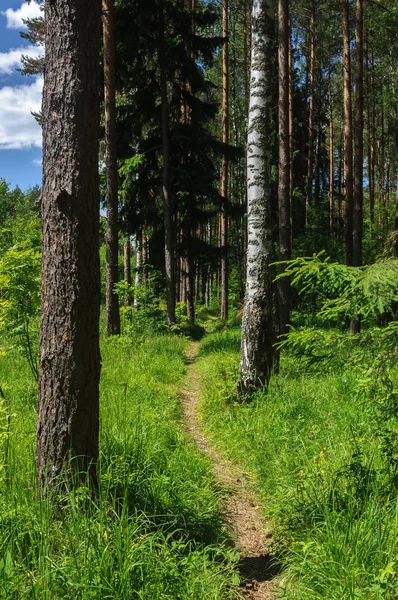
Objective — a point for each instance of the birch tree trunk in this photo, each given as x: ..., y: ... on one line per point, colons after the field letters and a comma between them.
x: 112, y: 314
x: 257, y: 327
x: 68, y: 416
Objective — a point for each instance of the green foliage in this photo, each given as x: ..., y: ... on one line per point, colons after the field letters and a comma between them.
x: 322, y: 446
x: 20, y: 299
x: 153, y: 531
x: 342, y: 292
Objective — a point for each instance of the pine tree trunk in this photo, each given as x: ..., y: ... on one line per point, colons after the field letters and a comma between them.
x: 291, y: 124
x: 257, y: 327
x: 138, y: 267
x: 284, y: 164
x: 224, y: 167
x: 127, y: 267
x: 348, y: 157
x: 358, y: 157
x: 167, y: 205
x: 331, y: 148
x: 68, y: 417
x: 372, y: 143
x: 310, y: 162
x: 112, y: 315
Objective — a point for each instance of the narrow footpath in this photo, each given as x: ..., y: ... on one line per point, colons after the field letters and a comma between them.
x: 241, y: 505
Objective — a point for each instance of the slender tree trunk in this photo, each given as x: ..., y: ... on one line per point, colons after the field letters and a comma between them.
x: 331, y: 148
x: 348, y: 155
x: 372, y: 149
x: 167, y: 204
x: 127, y: 267
x: 138, y: 267
x: 224, y: 166
x: 68, y: 416
x: 112, y: 316
x: 358, y: 157
x: 291, y: 124
x: 284, y: 164
x: 310, y: 162
x: 258, y: 327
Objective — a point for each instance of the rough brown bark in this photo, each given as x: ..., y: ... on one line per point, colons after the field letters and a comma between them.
x: 348, y: 155
x: 291, y: 124
x: 112, y: 315
x: 284, y: 164
x: 224, y: 166
x: 67, y: 423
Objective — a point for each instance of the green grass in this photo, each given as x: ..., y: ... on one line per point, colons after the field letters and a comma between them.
x: 154, y: 531
x: 313, y: 445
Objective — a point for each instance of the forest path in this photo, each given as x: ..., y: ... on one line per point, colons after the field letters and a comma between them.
x: 245, y: 525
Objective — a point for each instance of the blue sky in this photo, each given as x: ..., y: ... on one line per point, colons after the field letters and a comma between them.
x: 20, y: 135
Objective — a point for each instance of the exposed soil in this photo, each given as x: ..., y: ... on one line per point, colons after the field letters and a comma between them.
x: 243, y: 514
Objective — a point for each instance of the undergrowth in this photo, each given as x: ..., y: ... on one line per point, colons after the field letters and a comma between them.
x: 322, y: 445
x: 153, y: 531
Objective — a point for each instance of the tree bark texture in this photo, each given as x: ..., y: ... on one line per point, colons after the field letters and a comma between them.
x: 331, y: 150
x: 348, y: 153
x: 224, y: 166
x: 359, y: 124
x: 138, y: 267
x: 310, y: 161
x: 257, y: 327
x: 127, y: 267
x: 167, y: 204
x: 68, y: 415
x: 112, y: 315
x: 284, y: 164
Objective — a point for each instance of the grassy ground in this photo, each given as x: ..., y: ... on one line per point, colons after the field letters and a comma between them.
x: 315, y: 448
x: 153, y: 532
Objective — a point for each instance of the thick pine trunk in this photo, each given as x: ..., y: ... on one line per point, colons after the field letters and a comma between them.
x: 112, y: 315
x: 284, y: 164
x: 258, y: 327
x: 68, y: 417
x: 167, y: 204
x: 348, y: 154
x: 224, y: 167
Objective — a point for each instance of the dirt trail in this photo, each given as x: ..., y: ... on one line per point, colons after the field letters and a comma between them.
x: 242, y: 507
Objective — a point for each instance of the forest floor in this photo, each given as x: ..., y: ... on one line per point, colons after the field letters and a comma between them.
x: 246, y: 526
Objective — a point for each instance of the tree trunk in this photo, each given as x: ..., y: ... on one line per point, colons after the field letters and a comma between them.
x: 224, y: 167
x: 291, y: 124
x: 310, y: 162
x: 127, y: 267
x: 348, y: 158
x: 372, y: 142
x: 284, y: 164
x: 257, y: 327
x: 68, y: 417
x: 112, y: 315
x: 167, y: 205
x: 138, y: 267
x: 358, y: 158
x: 331, y: 148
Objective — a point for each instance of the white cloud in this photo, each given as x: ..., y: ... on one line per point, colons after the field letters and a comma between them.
x: 12, y: 59
x: 18, y: 128
x: 38, y: 162
x: 16, y: 17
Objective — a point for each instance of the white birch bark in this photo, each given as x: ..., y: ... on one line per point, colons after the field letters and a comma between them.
x: 257, y: 326
x: 138, y: 267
